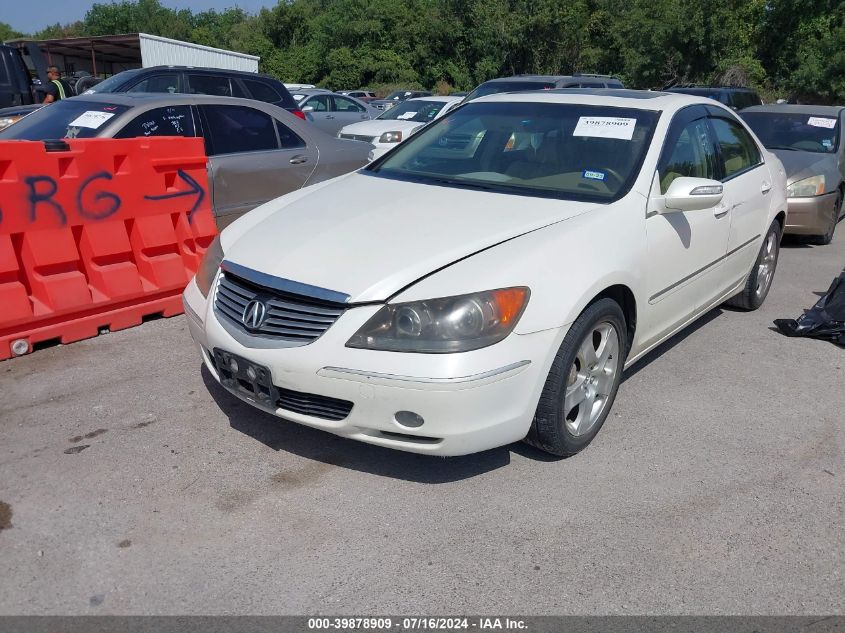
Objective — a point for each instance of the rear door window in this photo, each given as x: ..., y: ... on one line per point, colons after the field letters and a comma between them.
x: 342, y: 104
x: 212, y: 85
x: 738, y: 149
x: 288, y: 139
x: 262, y: 91
x: 320, y: 103
x: 168, y: 83
x: 167, y: 121
x: 235, y: 129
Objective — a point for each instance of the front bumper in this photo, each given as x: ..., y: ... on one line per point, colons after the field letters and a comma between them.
x: 469, y: 402
x: 810, y: 216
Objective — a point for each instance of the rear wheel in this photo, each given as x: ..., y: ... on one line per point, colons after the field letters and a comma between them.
x: 760, y: 278
x: 582, y: 382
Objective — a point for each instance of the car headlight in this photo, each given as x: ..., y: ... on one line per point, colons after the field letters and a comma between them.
x: 390, y: 137
x: 812, y: 186
x: 446, y: 325
x: 209, y: 266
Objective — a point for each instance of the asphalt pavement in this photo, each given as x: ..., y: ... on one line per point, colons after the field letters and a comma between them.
x: 130, y: 483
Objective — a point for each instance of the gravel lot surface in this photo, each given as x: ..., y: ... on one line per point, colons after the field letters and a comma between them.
x: 131, y: 483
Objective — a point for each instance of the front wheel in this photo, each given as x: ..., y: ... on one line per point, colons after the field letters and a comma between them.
x: 760, y: 278
x: 582, y: 382
x: 827, y: 238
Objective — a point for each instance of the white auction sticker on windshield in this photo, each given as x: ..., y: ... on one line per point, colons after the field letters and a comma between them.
x: 407, y: 115
x: 91, y: 119
x: 605, y: 127
x: 819, y: 121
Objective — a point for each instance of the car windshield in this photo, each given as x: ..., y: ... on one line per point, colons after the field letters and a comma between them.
x: 112, y: 83
x: 398, y: 95
x: 414, y: 110
x: 568, y: 151
x: 71, y: 118
x: 795, y: 131
x: 496, y: 87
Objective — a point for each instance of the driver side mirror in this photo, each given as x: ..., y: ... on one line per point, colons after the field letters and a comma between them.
x: 692, y: 194
x: 308, y: 109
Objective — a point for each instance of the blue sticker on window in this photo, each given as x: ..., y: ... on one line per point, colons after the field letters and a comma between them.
x: 592, y: 174
x: 827, y: 143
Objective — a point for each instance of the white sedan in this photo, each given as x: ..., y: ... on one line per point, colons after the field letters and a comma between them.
x: 399, y: 122
x: 488, y: 280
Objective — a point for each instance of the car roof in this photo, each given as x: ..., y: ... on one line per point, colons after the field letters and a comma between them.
x: 548, y: 78
x: 693, y: 89
x: 153, y: 99
x: 442, y: 99
x: 203, y: 69
x: 313, y: 91
x: 790, y: 108
x: 616, y: 97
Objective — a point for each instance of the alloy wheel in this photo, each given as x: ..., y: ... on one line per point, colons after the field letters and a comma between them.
x: 591, y: 378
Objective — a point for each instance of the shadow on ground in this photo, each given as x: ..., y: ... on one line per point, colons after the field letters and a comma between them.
x: 282, y: 435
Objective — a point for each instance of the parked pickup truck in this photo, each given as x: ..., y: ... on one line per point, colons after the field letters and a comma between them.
x: 15, y: 84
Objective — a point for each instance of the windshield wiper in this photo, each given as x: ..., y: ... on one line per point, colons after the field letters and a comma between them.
x: 463, y: 183
x: 791, y: 149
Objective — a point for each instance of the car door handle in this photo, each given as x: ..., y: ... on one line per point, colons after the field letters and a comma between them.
x: 329, y: 116
x: 766, y: 187
x: 298, y: 160
x: 721, y: 210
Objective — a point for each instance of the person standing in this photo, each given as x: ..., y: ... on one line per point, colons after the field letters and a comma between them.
x: 56, y: 88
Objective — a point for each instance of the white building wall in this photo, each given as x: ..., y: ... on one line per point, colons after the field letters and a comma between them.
x: 161, y: 51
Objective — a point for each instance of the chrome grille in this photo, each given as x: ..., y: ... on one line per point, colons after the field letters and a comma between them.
x: 289, y: 317
x: 314, y: 405
x: 359, y: 137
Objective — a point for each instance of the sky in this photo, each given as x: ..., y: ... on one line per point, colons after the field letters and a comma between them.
x: 21, y: 17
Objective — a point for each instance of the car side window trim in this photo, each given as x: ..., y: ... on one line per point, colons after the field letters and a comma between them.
x: 681, y: 119
x: 212, y: 152
x: 720, y: 114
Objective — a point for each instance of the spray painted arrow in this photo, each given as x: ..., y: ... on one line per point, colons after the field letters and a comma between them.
x: 195, y: 189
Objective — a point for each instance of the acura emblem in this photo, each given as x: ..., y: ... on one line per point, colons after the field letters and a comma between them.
x: 254, y: 314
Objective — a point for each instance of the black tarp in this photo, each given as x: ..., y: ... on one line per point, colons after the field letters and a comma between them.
x: 825, y: 320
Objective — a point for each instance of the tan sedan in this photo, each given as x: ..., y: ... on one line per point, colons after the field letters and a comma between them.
x: 809, y: 142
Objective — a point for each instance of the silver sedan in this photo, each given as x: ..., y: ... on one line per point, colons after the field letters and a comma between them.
x: 257, y: 151
x: 330, y: 112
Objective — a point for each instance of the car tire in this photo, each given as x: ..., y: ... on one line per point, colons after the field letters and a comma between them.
x: 827, y: 238
x: 582, y: 382
x: 759, y: 280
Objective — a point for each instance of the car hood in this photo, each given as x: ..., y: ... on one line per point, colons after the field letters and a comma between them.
x: 800, y: 165
x: 370, y: 237
x: 377, y: 127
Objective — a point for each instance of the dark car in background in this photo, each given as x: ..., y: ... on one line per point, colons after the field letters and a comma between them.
x: 520, y: 83
x: 809, y: 142
x: 206, y: 81
x: 15, y: 83
x: 397, y: 96
x: 256, y: 151
x: 362, y: 95
x: 731, y: 96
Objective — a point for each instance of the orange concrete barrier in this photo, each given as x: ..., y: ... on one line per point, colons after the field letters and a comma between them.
x: 98, y: 234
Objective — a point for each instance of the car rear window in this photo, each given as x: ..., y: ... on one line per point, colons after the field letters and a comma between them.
x: 496, y: 87
x: 568, y: 151
x: 795, y: 131
x: 70, y: 118
x: 262, y: 91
